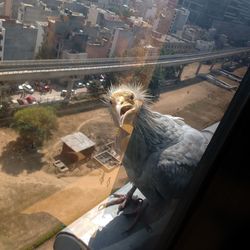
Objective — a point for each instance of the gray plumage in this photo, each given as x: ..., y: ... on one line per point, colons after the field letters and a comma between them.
x: 162, y: 154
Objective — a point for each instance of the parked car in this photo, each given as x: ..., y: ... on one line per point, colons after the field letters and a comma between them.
x: 31, y: 99
x: 80, y: 85
x: 13, y: 102
x: 22, y: 102
x: 20, y: 87
x: 46, y: 88
x: 64, y: 92
x: 27, y: 87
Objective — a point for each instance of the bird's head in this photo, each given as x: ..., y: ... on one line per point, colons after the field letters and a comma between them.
x: 125, y: 102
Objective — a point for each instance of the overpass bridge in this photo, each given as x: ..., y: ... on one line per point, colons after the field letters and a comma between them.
x: 49, y: 69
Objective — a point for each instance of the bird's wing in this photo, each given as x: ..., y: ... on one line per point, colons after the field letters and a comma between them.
x: 176, y: 165
x: 170, y: 178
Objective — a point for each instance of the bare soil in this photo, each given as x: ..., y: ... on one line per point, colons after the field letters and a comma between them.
x: 34, y: 201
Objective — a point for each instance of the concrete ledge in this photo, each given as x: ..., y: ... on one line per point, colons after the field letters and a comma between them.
x: 104, y: 229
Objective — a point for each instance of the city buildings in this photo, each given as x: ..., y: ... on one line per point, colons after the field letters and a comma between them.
x: 19, y: 41
x: 175, y: 44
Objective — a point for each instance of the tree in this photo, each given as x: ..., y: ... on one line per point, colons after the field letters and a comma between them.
x: 35, y: 124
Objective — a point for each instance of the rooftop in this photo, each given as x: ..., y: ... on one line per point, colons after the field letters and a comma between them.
x: 78, y: 141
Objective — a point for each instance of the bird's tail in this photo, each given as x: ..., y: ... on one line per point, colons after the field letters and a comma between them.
x: 209, y: 131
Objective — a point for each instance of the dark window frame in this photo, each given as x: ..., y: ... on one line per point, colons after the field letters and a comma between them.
x: 207, y: 167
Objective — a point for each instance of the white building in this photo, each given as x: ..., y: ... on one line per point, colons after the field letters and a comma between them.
x: 41, y: 30
x: 93, y: 15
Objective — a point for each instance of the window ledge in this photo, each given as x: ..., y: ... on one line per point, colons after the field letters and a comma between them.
x: 104, y: 229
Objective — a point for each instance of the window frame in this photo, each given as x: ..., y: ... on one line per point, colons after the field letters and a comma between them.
x: 206, y: 167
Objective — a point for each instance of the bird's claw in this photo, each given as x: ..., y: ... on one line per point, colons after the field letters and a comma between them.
x: 139, y: 211
x: 120, y: 200
x: 118, y: 195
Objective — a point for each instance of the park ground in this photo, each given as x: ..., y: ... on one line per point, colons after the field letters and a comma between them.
x: 35, y: 202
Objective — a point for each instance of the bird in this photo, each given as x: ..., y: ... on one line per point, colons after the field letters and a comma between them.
x: 159, y: 152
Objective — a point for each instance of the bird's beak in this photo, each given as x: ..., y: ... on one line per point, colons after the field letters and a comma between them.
x: 127, y: 113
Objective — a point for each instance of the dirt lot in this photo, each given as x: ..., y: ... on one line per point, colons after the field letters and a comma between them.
x: 33, y: 199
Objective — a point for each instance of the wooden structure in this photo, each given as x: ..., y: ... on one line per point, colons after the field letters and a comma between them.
x: 108, y: 158
x: 77, y: 146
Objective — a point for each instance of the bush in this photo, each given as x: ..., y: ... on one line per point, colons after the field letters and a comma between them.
x: 35, y: 124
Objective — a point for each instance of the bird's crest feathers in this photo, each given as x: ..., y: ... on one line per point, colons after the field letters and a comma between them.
x: 137, y: 89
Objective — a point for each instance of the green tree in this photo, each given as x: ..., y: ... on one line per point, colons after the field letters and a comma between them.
x: 35, y: 124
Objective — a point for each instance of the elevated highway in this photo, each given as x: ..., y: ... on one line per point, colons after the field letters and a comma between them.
x: 48, y: 69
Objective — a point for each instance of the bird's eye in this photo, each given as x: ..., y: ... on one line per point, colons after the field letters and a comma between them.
x: 110, y: 102
x: 131, y: 97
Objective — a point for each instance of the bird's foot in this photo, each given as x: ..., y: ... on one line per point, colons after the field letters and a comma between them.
x: 122, y: 200
x: 138, y: 212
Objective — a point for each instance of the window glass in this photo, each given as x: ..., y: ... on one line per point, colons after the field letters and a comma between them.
x: 96, y: 94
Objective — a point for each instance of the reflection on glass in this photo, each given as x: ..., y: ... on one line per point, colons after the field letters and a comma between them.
x: 61, y: 153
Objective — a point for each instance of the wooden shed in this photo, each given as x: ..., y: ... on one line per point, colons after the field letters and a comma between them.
x: 77, y: 146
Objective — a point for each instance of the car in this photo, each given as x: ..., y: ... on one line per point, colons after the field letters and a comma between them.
x: 31, y: 99
x: 22, y: 102
x: 60, y: 166
x: 20, y: 87
x: 13, y: 101
x: 89, y: 83
x: 27, y: 87
x: 45, y: 88
x: 80, y: 85
x: 64, y: 92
